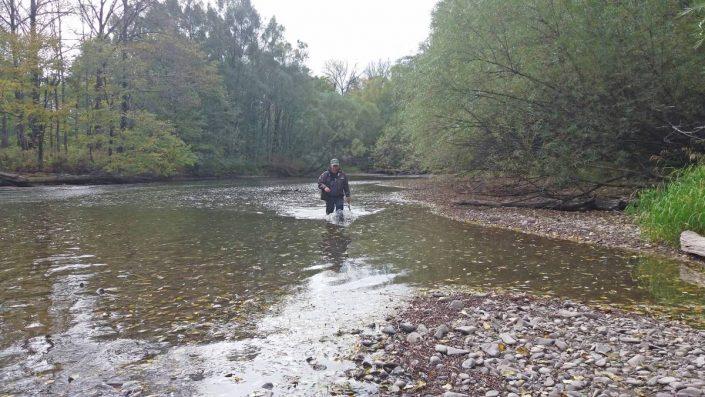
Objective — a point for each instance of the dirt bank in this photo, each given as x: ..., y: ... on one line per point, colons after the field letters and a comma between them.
x: 613, y: 229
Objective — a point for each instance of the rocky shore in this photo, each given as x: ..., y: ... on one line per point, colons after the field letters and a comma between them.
x: 495, y: 344
x: 613, y: 229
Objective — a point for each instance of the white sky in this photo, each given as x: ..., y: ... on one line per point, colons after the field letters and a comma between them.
x: 358, y: 31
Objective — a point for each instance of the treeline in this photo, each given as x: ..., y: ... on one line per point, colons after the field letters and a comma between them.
x: 159, y: 88
x: 575, y: 92
x: 569, y: 92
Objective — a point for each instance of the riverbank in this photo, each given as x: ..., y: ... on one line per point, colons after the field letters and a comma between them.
x: 490, y: 344
x: 41, y: 179
x: 612, y: 229
x: 50, y: 179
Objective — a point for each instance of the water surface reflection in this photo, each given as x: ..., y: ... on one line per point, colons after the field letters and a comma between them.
x: 225, y: 277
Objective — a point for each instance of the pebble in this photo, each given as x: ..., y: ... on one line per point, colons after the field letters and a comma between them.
x: 414, y: 337
x: 469, y: 363
x: 689, y: 392
x: 452, y: 351
x: 636, y: 361
x: 441, y: 331
x: 508, y: 339
x: 456, y: 305
x: 407, y: 327
x: 492, y: 349
x: 389, y: 330
x: 667, y: 380
x: 603, y: 348
x: 466, y: 330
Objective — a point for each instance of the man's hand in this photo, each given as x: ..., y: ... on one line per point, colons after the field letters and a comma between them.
x: 327, y: 189
x: 347, y: 199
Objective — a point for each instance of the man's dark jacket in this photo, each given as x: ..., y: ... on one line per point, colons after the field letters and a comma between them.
x: 338, y: 184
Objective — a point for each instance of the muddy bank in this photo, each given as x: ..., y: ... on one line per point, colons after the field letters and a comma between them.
x: 613, y: 229
x: 51, y: 179
x: 479, y: 344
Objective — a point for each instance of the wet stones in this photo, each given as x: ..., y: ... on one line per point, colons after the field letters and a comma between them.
x: 315, y: 364
x: 389, y: 330
x: 518, y: 345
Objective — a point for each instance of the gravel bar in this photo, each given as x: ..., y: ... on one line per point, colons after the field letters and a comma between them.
x: 497, y: 344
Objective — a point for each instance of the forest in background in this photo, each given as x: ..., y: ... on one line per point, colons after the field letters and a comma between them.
x: 573, y: 92
x: 163, y: 88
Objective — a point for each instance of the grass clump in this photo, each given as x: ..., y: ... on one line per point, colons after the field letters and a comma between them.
x: 666, y: 211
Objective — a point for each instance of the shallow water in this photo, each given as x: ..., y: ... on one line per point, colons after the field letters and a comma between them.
x: 218, y: 287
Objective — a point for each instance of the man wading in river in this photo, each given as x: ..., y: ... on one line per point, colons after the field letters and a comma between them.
x: 334, y: 185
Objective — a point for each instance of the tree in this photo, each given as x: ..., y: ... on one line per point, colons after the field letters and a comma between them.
x: 576, y: 93
x: 341, y: 76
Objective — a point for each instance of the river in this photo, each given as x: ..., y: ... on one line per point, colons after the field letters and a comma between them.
x: 220, y: 287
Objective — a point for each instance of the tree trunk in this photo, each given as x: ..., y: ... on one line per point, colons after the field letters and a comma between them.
x: 13, y: 179
x: 35, y: 125
x: 693, y: 243
x: 577, y: 204
x: 5, y: 133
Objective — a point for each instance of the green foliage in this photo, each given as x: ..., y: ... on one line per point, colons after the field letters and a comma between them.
x: 664, y: 212
x: 568, y: 90
x: 208, y: 89
x: 149, y: 148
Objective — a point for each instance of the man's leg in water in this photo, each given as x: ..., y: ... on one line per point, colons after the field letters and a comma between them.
x: 330, y: 205
x: 339, y: 204
x: 334, y: 204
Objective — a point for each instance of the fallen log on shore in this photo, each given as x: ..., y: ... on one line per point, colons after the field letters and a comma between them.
x: 7, y: 178
x: 579, y: 205
x: 693, y: 243
x: 574, y: 204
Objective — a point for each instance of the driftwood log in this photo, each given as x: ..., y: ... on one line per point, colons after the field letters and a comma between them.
x: 68, y: 179
x: 573, y: 204
x: 7, y: 178
x: 693, y: 243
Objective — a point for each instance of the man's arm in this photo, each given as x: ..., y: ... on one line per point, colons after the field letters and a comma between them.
x: 321, y: 180
x: 346, y: 187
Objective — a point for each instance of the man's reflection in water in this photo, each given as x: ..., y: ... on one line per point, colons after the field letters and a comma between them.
x: 334, y: 245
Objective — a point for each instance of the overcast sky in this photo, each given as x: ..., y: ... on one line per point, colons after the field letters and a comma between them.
x: 358, y: 31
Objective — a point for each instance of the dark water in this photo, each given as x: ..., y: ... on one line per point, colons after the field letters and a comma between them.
x: 217, y: 287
